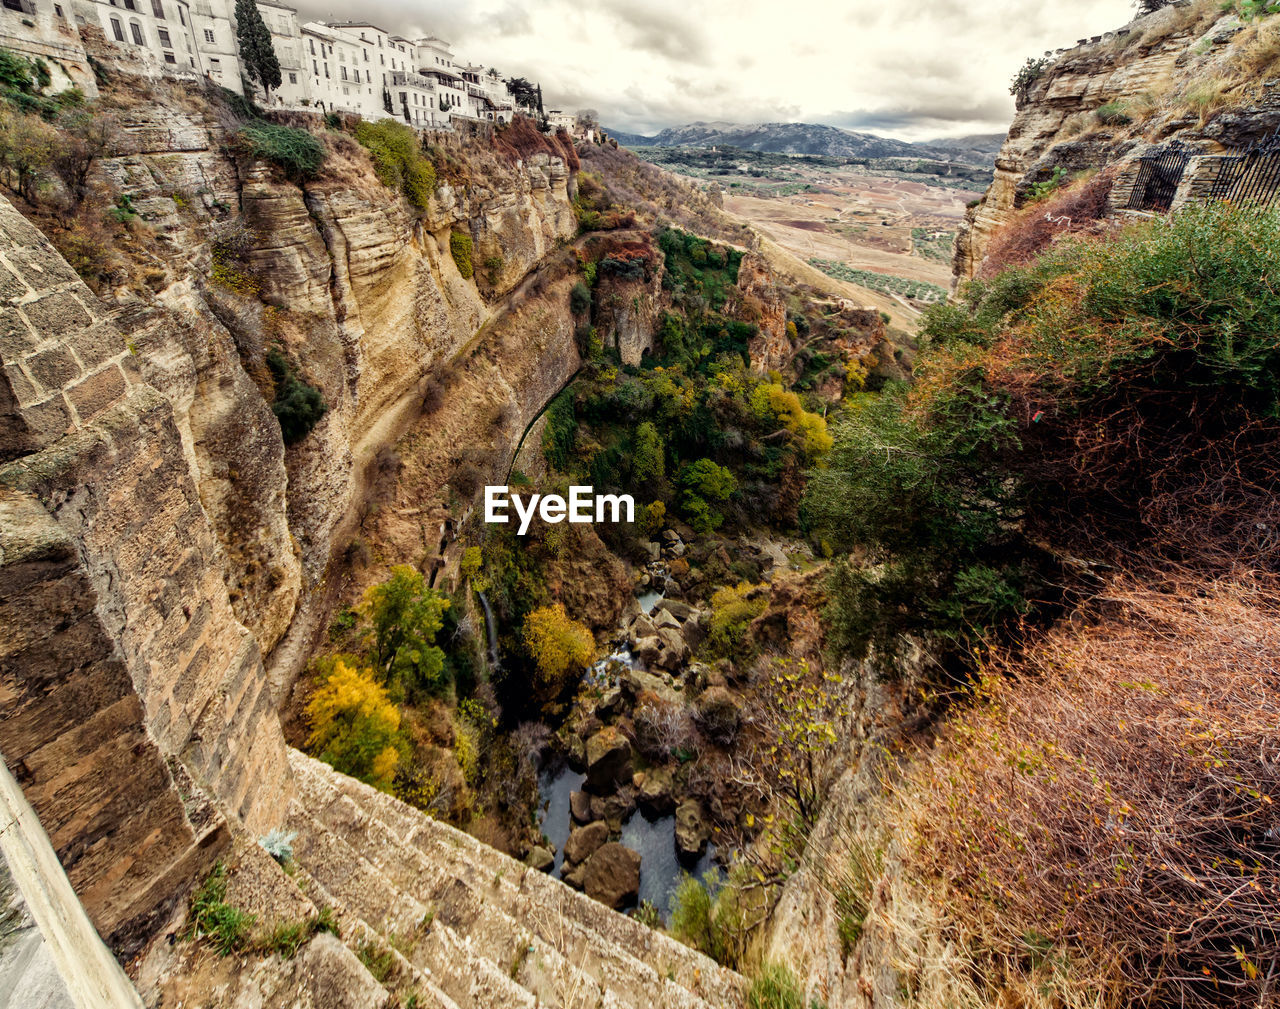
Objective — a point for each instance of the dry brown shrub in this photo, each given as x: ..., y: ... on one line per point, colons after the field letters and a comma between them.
x: 1076, y: 209
x: 1109, y: 804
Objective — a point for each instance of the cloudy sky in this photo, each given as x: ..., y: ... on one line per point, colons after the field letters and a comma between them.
x: 913, y: 69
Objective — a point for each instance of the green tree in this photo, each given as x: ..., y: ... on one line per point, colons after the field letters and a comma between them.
x: 405, y: 616
x: 648, y: 462
x: 27, y: 149
x: 256, y: 49
x: 706, y: 485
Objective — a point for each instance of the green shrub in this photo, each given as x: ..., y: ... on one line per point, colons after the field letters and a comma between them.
x: 297, y: 406
x: 579, y: 298
x: 227, y: 928
x: 691, y: 919
x: 460, y: 248
x: 296, y: 151
x: 1125, y: 386
x: 398, y: 160
x: 1113, y: 114
x: 1030, y: 72
x: 775, y: 987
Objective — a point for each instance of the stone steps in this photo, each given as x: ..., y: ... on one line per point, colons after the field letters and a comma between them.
x: 355, y: 888
x: 528, y: 896
x: 484, y: 928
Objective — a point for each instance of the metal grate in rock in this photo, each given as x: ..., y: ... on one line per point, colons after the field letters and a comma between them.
x: 1158, y: 177
x: 1252, y: 176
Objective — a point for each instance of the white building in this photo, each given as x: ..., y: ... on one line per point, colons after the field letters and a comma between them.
x: 46, y: 30
x: 286, y: 38
x: 340, y: 72
x: 180, y: 37
x: 435, y: 62
x: 346, y: 66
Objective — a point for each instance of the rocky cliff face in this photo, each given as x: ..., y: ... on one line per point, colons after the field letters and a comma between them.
x: 362, y: 292
x: 1188, y: 72
x: 156, y: 532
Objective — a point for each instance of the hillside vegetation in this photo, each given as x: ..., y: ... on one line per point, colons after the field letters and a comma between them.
x: 1072, y: 509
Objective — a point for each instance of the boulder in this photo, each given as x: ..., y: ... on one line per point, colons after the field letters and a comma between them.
x: 664, y: 618
x: 613, y: 809
x: 641, y: 627
x: 647, y: 649
x: 692, y: 831
x: 653, y: 550
x: 639, y: 681
x: 576, y: 755
x: 678, y: 609
x: 654, y: 792
x: 674, y: 651
x: 610, y: 703
x: 580, y: 807
x: 718, y: 716
x: 608, y: 760
x: 584, y: 841
x: 540, y: 858
x: 574, y: 876
x: 670, y: 536
x: 613, y: 876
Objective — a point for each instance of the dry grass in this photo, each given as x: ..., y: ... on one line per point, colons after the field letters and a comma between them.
x: 1206, y: 96
x: 1102, y: 824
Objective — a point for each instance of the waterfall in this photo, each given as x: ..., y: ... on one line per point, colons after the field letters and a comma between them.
x: 491, y: 629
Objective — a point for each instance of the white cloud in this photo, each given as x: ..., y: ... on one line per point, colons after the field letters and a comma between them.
x: 915, y: 70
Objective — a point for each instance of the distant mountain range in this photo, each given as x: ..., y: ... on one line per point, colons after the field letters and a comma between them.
x: 813, y: 138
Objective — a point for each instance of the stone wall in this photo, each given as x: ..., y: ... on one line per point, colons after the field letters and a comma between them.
x: 129, y: 688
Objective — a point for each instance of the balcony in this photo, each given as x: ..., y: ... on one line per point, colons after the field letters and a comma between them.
x: 402, y: 80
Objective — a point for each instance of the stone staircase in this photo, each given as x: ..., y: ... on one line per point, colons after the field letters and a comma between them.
x: 470, y: 927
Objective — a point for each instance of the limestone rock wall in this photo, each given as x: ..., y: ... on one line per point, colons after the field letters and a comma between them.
x: 362, y: 292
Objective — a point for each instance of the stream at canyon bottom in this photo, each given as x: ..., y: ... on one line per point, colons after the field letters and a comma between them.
x: 660, y: 866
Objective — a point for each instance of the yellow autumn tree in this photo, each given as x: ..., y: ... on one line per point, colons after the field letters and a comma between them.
x: 770, y: 399
x: 557, y: 644
x: 354, y: 726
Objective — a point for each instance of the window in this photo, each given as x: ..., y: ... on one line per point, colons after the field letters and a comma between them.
x: 157, y: 8
x: 326, y: 71
x: 57, y: 9
x: 315, y: 69
x: 215, y: 65
x: 169, y: 58
x: 135, y: 30
x: 368, y: 77
x: 346, y: 91
x: 311, y: 43
x: 343, y: 70
x: 183, y: 18
x: 404, y: 98
x: 117, y: 30
x: 190, y: 59
x: 293, y: 78
x: 366, y: 55
x: 208, y: 35
x: 164, y: 37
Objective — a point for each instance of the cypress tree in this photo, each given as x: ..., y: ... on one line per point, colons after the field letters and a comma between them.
x: 256, y: 50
